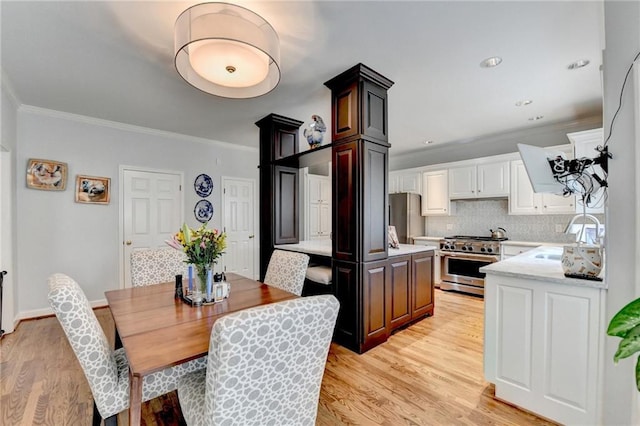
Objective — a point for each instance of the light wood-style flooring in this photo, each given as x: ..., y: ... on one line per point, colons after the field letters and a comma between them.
x: 427, y: 374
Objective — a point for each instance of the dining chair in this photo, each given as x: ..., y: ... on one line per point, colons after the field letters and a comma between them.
x: 265, y: 366
x: 155, y: 266
x: 106, y: 371
x: 287, y: 270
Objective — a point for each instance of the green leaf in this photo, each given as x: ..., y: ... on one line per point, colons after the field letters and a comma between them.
x: 629, y: 345
x: 638, y: 373
x: 625, y: 320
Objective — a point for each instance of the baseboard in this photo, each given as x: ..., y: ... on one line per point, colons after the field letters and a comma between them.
x: 47, y: 312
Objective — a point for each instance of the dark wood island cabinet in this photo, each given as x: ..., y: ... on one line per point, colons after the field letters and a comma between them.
x: 377, y: 293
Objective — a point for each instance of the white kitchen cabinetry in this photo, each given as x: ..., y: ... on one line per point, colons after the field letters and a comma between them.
x: 543, y: 345
x: 507, y: 251
x: 405, y: 182
x: 479, y: 181
x: 319, y: 190
x: 435, y: 193
x: 432, y: 241
x: 523, y: 200
x: 584, y: 145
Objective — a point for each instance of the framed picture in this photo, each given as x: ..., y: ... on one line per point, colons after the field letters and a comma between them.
x: 48, y: 175
x: 93, y: 189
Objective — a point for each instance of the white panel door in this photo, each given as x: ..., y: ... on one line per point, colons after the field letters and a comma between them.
x: 435, y: 193
x: 238, y: 198
x: 411, y: 182
x: 522, y: 199
x: 152, y: 212
x: 462, y: 182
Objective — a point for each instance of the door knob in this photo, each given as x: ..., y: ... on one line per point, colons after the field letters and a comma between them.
x: 128, y: 242
x: 251, y: 236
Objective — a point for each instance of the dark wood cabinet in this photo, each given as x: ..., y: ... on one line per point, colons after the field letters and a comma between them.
x: 400, y: 290
x: 346, y: 280
x: 376, y: 313
x: 422, y: 277
x: 346, y: 207
x: 278, y: 185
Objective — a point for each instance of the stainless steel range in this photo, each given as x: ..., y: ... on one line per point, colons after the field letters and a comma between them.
x: 462, y: 257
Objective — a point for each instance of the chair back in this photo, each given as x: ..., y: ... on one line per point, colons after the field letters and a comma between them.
x: 287, y: 270
x: 86, y: 337
x: 266, y: 363
x: 155, y: 266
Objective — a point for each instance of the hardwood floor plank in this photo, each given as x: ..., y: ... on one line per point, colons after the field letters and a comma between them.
x: 430, y: 373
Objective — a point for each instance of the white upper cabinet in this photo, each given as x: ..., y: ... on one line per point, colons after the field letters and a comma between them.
x: 319, y: 207
x: 405, y: 182
x: 479, y: 181
x: 584, y: 144
x: 523, y: 200
x: 435, y: 193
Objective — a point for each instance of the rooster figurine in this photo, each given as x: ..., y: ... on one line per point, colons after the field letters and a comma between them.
x: 315, y: 132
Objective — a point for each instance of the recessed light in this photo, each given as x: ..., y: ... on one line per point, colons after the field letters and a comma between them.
x: 524, y: 102
x: 578, y: 64
x: 491, y: 62
x: 536, y: 118
x: 429, y: 142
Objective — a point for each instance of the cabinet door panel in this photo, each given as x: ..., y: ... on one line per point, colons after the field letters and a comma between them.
x: 375, y: 302
x: 422, y: 281
x: 346, y: 210
x: 493, y: 179
x: 286, y: 212
x: 400, y: 282
x: 435, y: 193
x: 411, y: 182
x: 345, y: 277
x: 522, y: 199
x: 514, y: 343
x: 462, y: 182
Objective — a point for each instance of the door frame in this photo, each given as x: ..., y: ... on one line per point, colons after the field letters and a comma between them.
x: 121, y: 171
x: 256, y: 212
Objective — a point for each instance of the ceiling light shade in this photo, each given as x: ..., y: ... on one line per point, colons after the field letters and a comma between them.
x: 227, y: 50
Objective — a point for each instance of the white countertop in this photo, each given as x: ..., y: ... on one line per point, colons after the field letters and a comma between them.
x: 526, y: 243
x: 323, y: 248
x: 527, y: 265
x: 425, y: 238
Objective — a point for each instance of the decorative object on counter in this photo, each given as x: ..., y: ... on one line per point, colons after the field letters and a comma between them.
x: 626, y: 324
x: 203, y: 211
x: 93, y: 189
x: 203, y: 185
x: 393, y: 237
x: 203, y: 247
x: 583, y: 260
x: 47, y: 175
x: 315, y: 132
x: 498, y: 234
x: 227, y: 50
x: 179, y: 292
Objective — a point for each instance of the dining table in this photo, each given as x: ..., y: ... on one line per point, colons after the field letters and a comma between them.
x: 158, y: 330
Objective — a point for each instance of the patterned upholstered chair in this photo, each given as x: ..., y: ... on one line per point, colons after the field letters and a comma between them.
x: 155, y: 266
x: 106, y: 371
x: 287, y: 270
x: 265, y: 366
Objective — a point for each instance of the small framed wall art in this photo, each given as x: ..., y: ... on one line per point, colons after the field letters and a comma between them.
x: 47, y: 175
x: 93, y: 189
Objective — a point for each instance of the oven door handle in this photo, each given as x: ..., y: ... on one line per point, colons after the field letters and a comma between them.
x: 471, y: 256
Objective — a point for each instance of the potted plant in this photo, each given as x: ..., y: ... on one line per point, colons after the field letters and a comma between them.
x: 626, y: 324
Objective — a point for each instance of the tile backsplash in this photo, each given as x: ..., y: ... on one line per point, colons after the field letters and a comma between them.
x: 477, y: 217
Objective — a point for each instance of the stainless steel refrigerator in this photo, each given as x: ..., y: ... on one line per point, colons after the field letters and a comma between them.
x: 405, y: 214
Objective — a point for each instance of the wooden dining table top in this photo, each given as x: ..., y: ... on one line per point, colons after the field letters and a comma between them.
x: 158, y: 331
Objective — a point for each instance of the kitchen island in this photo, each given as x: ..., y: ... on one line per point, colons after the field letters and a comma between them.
x: 396, y: 291
x: 544, y: 337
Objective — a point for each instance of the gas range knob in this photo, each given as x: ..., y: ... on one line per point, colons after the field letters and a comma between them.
x: 489, y: 250
x: 464, y: 248
x: 482, y: 249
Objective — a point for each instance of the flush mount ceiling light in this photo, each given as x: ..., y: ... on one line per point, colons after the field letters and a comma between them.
x: 524, y: 102
x: 494, y: 61
x: 536, y: 118
x: 578, y: 64
x: 227, y: 50
x: 429, y: 142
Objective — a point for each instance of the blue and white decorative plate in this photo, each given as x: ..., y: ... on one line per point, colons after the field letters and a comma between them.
x: 203, y: 211
x: 203, y: 185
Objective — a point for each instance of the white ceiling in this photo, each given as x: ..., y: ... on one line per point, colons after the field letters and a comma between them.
x: 114, y: 61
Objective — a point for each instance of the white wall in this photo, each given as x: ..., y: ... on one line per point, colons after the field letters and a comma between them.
x: 622, y: 28
x: 58, y: 235
x: 8, y: 108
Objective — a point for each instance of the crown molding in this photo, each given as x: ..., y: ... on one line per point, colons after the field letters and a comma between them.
x: 129, y: 127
